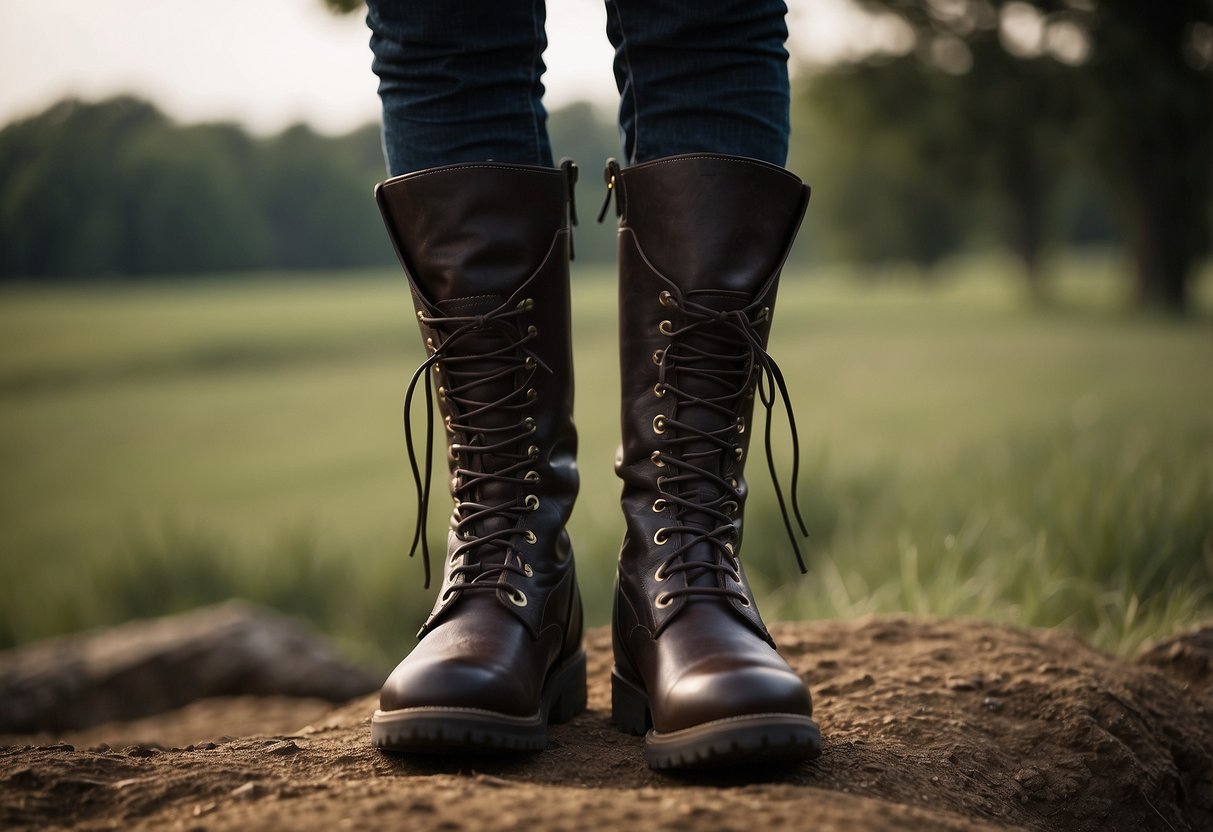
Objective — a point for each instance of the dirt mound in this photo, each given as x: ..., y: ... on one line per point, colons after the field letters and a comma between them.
x: 929, y: 724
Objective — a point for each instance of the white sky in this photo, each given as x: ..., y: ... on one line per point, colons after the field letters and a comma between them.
x: 269, y: 63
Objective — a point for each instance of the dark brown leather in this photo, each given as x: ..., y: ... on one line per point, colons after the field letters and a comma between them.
x: 713, y: 232
x: 486, y: 248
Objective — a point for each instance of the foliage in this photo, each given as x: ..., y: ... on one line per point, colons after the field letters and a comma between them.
x: 1004, y: 114
x: 171, y: 445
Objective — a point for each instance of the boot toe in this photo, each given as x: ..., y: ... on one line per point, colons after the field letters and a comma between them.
x: 701, y: 696
x: 455, y: 683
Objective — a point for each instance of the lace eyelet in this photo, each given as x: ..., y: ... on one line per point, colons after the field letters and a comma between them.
x: 656, y: 458
x: 530, y: 363
x: 730, y: 508
x: 446, y: 421
x: 533, y: 476
x: 437, y: 369
x: 518, y: 598
x: 729, y: 547
x: 532, y: 330
x: 429, y: 344
x: 745, y: 602
x: 659, y: 390
x: 529, y: 423
x: 527, y: 570
x: 658, y: 357
x: 663, y: 600
x: 532, y: 502
x: 739, y: 452
x: 741, y: 424
x: 527, y: 304
x: 533, y: 452
x: 442, y: 394
x: 659, y: 424
x: 420, y: 315
x: 659, y: 505
x: 764, y: 313
x: 660, y: 481
x: 665, y: 298
x: 733, y: 483
x: 532, y: 394
x: 665, y: 328
x: 661, y: 537
x: 529, y: 536
x: 659, y: 576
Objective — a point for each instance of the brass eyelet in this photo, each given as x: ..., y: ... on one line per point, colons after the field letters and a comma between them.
x: 661, y: 537
x: 665, y: 328
x: 529, y: 363
x: 532, y: 502
x: 527, y: 570
x: 533, y: 452
x: 730, y: 508
x: 532, y: 330
x: 437, y: 369
x: 532, y: 394
x: 739, y: 452
x: 659, y: 505
x: 442, y: 394
x: 764, y: 313
x: 741, y: 424
x: 529, y: 536
x: 527, y: 304
x: 533, y: 476
x: 665, y: 298
x: 733, y: 483
x: 745, y: 602
x: 659, y: 424
x: 660, y: 481
x: 658, y: 356
x: 659, y: 575
x: 659, y: 390
x: 656, y: 458
x: 529, y: 423
x: 663, y: 600
x: 446, y: 421
x: 420, y: 315
x: 429, y: 344
x: 518, y: 598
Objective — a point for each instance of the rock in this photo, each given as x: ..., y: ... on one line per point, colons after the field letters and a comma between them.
x: 147, y: 667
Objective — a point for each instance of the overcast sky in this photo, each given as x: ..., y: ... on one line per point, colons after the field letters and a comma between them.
x: 268, y: 63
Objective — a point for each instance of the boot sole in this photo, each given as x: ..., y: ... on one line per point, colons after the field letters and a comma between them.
x: 753, y: 738
x: 474, y: 729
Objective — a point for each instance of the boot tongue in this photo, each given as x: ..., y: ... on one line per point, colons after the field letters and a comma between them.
x: 708, y: 385
x: 462, y: 374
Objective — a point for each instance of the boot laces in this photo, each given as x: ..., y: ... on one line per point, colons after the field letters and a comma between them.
x: 712, y: 364
x: 476, y: 352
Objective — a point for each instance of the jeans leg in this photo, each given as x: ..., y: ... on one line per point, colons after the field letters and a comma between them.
x: 704, y: 76
x: 460, y: 81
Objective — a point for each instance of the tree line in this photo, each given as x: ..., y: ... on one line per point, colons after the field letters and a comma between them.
x: 1028, y: 126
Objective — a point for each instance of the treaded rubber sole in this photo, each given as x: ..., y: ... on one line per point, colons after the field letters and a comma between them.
x: 435, y: 728
x: 752, y: 738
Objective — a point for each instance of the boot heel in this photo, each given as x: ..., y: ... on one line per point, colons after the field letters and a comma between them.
x: 568, y: 689
x: 629, y: 707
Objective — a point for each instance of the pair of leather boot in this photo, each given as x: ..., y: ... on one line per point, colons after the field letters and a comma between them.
x: 486, y: 247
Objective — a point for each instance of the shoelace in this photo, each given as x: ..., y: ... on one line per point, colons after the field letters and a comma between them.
x: 724, y: 349
x: 485, y: 453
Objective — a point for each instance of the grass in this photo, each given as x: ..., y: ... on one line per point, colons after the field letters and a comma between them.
x: 167, y: 446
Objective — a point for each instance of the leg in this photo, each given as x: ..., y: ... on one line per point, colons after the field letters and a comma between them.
x: 706, y: 218
x: 704, y: 76
x: 460, y: 81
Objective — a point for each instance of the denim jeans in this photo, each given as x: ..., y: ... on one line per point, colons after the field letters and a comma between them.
x: 460, y: 80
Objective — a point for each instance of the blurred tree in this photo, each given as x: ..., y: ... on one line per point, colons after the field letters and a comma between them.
x: 1044, y: 95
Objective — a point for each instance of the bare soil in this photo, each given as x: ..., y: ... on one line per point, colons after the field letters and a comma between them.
x: 928, y: 724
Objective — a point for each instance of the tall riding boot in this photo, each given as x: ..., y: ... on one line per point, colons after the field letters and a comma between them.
x: 486, y: 250
x: 702, y: 240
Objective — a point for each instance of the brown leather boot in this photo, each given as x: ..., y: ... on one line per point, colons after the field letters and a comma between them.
x: 702, y: 239
x: 486, y: 249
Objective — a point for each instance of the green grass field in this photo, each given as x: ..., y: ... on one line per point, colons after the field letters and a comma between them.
x: 168, y: 446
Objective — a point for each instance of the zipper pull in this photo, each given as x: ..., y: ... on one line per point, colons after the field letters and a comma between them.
x: 570, y: 177
x: 610, y: 176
